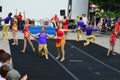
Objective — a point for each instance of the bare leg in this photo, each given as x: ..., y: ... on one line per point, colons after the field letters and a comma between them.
x: 63, y: 52
x: 25, y: 43
x: 13, y: 33
x: 58, y: 53
x: 113, y: 45
x: 66, y: 34
x: 16, y: 40
x: 31, y: 44
x: 109, y: 49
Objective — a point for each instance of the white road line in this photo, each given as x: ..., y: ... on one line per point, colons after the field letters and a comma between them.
x: 69, y: 72
x: 110, y: 67
x: 76, y: 61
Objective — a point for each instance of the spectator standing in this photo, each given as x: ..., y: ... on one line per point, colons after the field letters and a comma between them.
x: 97, y: 19
x: 19, y: 17
x: 84, y: 18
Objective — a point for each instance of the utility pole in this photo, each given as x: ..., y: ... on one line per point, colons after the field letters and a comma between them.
x: 69, y: 6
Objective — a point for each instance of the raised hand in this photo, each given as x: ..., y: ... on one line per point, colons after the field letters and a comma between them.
x: 24, y: 77
x: 24, y: 12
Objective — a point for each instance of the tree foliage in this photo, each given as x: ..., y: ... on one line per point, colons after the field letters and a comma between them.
x: 107, y: 5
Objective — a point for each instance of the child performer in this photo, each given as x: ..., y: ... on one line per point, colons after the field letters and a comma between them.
x: 113, y: 37
x: 27, y: 34
x: 65, y: 22
x: 89, y: 31
x: 42, y: 40
x: 80, y: 29
x: 14, y: 31
x: 60, y: 42
x: 6, y: 26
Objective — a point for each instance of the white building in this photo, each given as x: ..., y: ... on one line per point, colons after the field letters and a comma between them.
x: 38, y: 9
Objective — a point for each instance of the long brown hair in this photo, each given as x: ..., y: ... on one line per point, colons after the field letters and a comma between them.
x: 4, y: 70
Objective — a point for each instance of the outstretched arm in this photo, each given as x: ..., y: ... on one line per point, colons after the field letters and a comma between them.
x: 24, y: 77
x: 67, y: 18
x: 69, y: 15
x: 16, y: 12
x: 5, y: 19
x: 34, y: 35
x: 68, y: 30
x: 24, y: 15
x: 94, y: 29
x: 51, y: 36
x: 55, y: 24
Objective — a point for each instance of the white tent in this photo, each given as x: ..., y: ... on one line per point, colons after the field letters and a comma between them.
x: 38, y: 9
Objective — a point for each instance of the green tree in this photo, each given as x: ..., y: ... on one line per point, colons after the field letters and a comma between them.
x: 107, y: 5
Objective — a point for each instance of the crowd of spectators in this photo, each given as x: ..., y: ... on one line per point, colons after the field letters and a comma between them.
x: 7, y: 71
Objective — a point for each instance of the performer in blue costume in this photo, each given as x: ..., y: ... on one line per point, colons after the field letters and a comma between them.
x: 89, y: 34
x: 42, y: 40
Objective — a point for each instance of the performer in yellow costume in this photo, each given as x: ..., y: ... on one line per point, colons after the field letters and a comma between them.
x: 6, y: 26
